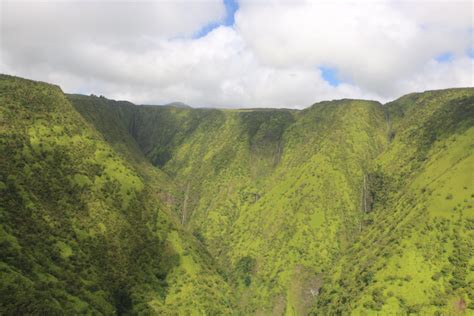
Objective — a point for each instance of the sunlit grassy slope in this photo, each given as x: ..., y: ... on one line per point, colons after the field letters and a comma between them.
x: 348, y: 206
x: 416, y: 253
x: 83, y: 229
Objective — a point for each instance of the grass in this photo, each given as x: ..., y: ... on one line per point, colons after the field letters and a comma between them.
x: 108, y: 207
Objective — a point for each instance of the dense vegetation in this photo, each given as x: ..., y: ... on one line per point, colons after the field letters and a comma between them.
x: 348, y: 206
x: 83, y: 230
x: 416, y: 254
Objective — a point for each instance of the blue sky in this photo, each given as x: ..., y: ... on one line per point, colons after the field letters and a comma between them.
x: 445, y: 57
x: 231, y: 7
x: 471, y: 53
x: 329, y: 74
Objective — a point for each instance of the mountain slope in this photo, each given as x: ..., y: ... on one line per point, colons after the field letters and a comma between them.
x: 302, y: 170
x: 346, y: 207
x: 287, y: 201
x: 416, y: 254
x: 82, y: 231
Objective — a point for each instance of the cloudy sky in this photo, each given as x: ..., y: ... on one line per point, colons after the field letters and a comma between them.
x: 240, y: 53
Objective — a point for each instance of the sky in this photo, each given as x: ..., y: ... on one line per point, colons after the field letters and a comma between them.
x: 240, y: 53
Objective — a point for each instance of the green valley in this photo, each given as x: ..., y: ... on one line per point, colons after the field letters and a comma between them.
x: 345, y: 207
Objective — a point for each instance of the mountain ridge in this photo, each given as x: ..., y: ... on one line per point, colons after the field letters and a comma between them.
x: 184, y: 105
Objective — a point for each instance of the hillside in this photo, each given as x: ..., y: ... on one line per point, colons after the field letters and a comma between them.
x: 348, y: 206
x: 417, y: 253
x: 83, y: 229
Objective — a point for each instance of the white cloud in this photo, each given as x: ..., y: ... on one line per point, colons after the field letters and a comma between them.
x: 144, y: 51
x: 372, y: 43
x: 436, y: 75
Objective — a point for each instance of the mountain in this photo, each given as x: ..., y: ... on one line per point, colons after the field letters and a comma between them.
x: 178, y: 105
x: 416, y: 255
x: 348, y: 206
x: 85, y: 225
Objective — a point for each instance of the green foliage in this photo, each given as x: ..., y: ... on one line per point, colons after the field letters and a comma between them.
x: 415, y: 246
x: 81, y: 232
x: 286, y: 188
x: 245, y: 265
x: 348, y: 206
x: 244, y: 269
